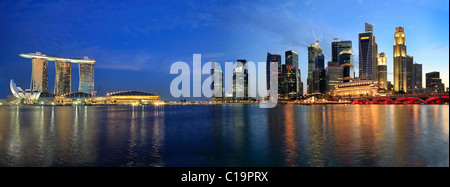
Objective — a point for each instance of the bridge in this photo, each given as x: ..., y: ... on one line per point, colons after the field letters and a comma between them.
x: 434, y: 98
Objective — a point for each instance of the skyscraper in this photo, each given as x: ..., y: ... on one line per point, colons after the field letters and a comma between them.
x: 217, y: 82
x: 367, y: 54
x: 39, y: 75
x: 409, y: 72
x: 334, y: 75
x: 319, y: 74
x: 273, y: 58
x: 86, y: 82
x: 382, y: 70
x: 400, y: 66
x: 417, y: 75
x: 292, y: 75
x: 63, y: 77
x: 314, y: 50
x: 335, y: 50
x: 240, y: 83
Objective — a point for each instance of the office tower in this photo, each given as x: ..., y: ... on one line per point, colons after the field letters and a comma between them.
x: 382, y: 70
x: 238, y: 87
x: 314, y: 50
x: 409, y: 72
x: 433, y: 82
x: 63, y: 77
x: 346, y: 62
x: 300, y: 83
x: 334, y: 50
x: 320, y: 62
x: 319, y: 74
x: 291, y: 58
x: 274, y: 58
x: 217, y: 82
x: 400, y: 65
x: 39, y: 75
x: 320, y: 81
x: 367, y: 54
x: 86, y: 73
x: 334, y: 76
x: 417, y: 75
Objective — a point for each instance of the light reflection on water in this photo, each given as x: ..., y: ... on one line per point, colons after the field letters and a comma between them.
x: 228, y: 135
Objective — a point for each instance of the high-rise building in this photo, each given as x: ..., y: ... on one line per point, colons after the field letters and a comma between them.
x: 39, y: 75
x: 400, y: 65
x: 434, y: 83
x: 334, y: 50
x: 238, y: 87
x: 63, y: 66
x: 292, y: 60
x: 217, y: 82
x: 314, y: 50
x: 382, y: 70
x: 409, y: 72
x: 367, y: 54
x: 63, y: 77
x: 274, y: 58
x: 320, y: 81
x: 86, y: 82
x: 346, y: 62
x: 320, y: 62
x: 334, y: 75
x: 417, y: 75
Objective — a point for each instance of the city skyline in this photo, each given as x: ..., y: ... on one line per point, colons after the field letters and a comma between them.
x: 137, y: 56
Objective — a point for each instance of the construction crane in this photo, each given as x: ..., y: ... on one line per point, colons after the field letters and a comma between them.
x: 314, y: 34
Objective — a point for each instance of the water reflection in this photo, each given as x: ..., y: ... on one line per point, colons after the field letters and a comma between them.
x: 228, y: 135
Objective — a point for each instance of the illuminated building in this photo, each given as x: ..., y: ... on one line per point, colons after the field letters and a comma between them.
x: 314, y: 50
x: 346, y: 62
x: 274, y: 58
x: 28, y: 95
x: 357, y: 88
x: 132, y: 98
x: 400, y: 69
x: 367, y: 54
x: 63, y: 66
x: 433, y: 82
x: 86, y: 78
x: 337, y: 47
x: 39, y: 75
x: 217, y: 82
x: 63, y: 77
x: 240, y: 83
x: 294, y: 73
x: 382, y: 70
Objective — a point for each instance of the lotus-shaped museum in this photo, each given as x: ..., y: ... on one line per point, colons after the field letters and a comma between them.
x: 27, y: 94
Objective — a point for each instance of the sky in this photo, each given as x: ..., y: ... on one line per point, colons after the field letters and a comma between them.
x: 135, y: 43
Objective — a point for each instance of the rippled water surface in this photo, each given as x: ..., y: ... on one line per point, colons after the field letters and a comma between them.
x: 228, y: 135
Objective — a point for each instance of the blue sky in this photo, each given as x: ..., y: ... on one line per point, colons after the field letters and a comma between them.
x: 135, y: 42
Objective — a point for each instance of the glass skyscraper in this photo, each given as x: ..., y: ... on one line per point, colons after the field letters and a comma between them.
x: 367, y: 54
x: 314, y: 50
x: 417, y: 75
x: 274, y: 58
x: 294, y: 71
